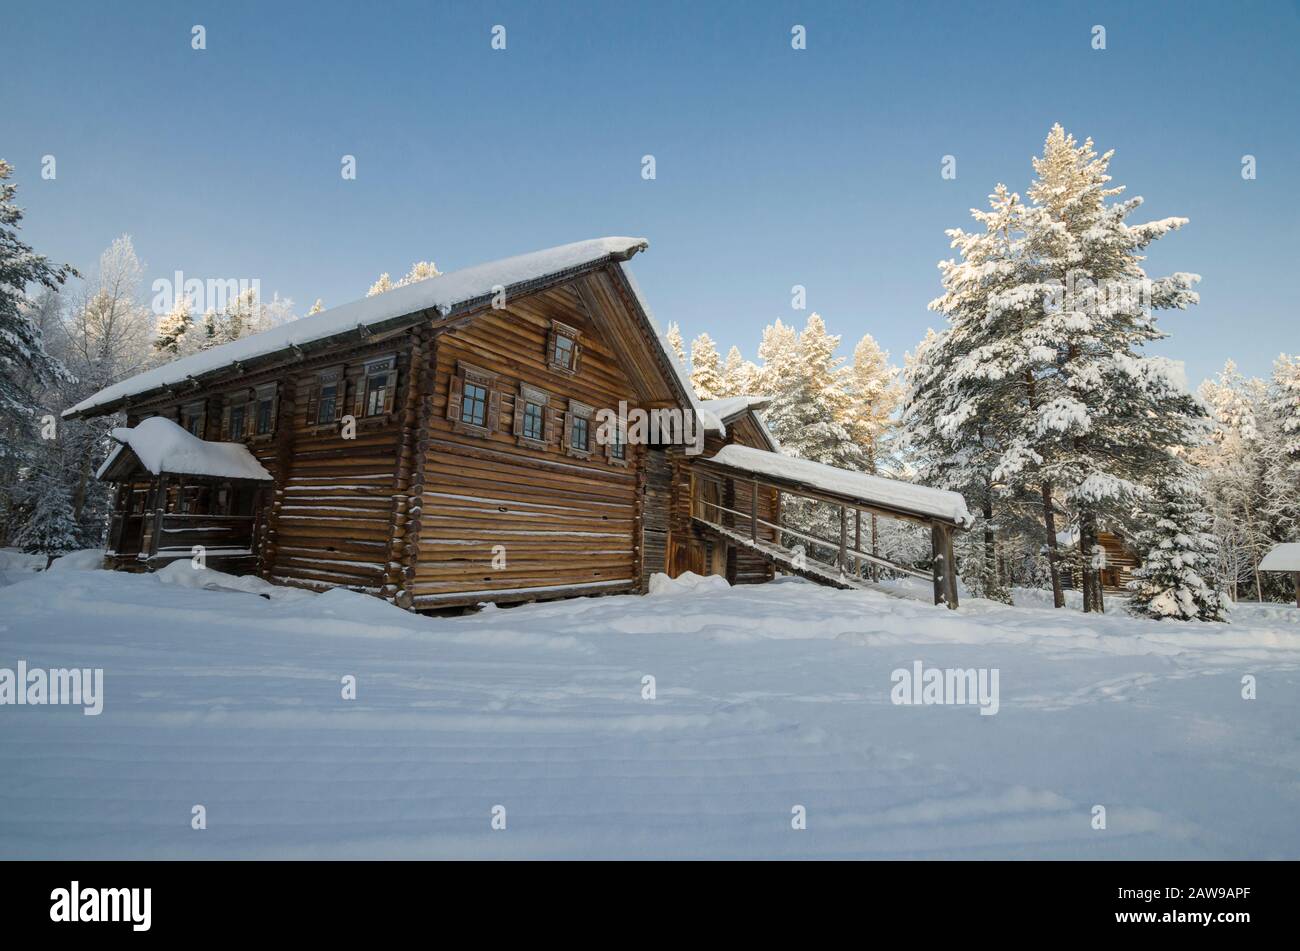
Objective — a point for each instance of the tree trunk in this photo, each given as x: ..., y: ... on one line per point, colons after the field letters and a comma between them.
x: 990, y: 572
x: 1091, y: 578
x: 1053, y: 556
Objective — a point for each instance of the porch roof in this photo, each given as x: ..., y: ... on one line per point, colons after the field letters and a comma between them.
x: 891, y: 495
x: 161, y: 446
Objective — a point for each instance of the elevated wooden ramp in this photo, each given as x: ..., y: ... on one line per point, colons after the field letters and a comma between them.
x: 722, y: 485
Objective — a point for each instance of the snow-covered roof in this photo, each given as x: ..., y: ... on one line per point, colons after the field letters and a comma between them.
x: 712, y: 424
x: 872, y: 490
x: 445, y: 294
x: 729, y: 407
x: 162, y: 446
x: 1282, y: 558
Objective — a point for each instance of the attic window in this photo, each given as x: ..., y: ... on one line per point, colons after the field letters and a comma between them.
x: 577, y: 430
x: 473, y: 402
x: 563, y: 348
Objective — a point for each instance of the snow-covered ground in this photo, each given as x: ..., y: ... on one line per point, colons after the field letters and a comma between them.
x: 766, y: 698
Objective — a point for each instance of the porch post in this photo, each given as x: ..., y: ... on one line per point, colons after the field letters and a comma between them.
x: 1295, y: 577
x: 753, y: 510
x: 950, y: 568
x: 844, y: 536
x: 857, y: 541
x: 937, y: 559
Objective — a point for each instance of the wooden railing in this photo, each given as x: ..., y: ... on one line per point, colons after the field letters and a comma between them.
x: 174, y: 535
x: 849, y: 563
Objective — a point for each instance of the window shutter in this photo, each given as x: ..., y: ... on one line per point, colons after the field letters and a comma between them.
x: 494, y: 410
x: 390, y: 391
x: 568, y: 431
x: 225, y: 423
x: 548, y: 425
x: 453, y: 398
x: 359, y: 396
x: 341, y: 397
x: 577, y: 354
x: 520, y: 405
x: 313, y: 404
x: 609, y: 448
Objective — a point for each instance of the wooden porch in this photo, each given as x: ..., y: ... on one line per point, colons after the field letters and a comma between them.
x: 727, y: 503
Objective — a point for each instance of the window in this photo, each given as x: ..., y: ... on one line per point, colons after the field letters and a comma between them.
x: 532, y: 418
x: 325, y: 404
x: 237, y: 416
x: 532, y: 421
x: 329, y: 395
x: 192, y: 419
x: 563, y: 353
x: 617, y: 448
x: 376, y: 390
x: 577, y: 430
x: 473, y: 403
x: 562, y: 348
x: 578, y: 434
x: 264, y: 410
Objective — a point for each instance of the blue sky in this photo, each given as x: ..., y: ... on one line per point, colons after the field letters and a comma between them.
x: 775, y: 167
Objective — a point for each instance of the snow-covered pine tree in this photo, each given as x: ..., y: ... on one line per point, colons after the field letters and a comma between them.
x: 808, y: 409
x: 706, y: 368
x: 735, y: 374
x: 173, y: 327
x: 970, y: 388
x: 420, y: 271
x: 1175, y: 578
x: 809, y: 402
x: 1283, y: 458
x: 874, y: 395
x: 1108, y: 417
x: 674, y: 338
x: 50, y: 528
x: 25, y: 366
x: 1235, y: 459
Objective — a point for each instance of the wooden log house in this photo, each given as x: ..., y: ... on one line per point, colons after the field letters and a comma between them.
x: 450, y: 442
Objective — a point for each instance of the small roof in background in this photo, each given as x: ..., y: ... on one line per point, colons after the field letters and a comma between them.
x: 161, y: 446
x: 1284, y: 557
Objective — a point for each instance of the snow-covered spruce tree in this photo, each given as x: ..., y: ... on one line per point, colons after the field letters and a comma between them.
x: 50, y: 528
x: 1108, y: 418
x: 1175, y: 578
x: 706, y: 368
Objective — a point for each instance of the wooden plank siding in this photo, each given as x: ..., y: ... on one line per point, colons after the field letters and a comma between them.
x: 565, y: 525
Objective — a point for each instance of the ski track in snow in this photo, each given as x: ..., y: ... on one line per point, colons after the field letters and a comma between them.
x: 767, y: 697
